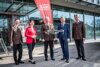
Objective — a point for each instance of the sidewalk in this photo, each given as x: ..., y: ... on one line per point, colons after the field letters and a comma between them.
x: 92, y: 55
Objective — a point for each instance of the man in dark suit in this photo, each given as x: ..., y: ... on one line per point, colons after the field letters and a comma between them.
x: 63, y: 35
x: 78, y: 34
x: 47, y: 34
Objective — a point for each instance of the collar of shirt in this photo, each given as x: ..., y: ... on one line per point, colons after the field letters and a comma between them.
x: 63, y: 23
x: 77, y: 21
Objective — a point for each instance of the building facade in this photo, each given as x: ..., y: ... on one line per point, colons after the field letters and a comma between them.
x: 88, y: 11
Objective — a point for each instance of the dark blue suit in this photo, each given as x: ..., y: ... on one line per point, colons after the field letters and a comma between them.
x: 63, y: 36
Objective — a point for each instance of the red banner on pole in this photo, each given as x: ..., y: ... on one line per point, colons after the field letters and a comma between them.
x: 45, y: 9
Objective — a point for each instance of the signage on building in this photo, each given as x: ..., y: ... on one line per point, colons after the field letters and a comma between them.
x: 45, y: 9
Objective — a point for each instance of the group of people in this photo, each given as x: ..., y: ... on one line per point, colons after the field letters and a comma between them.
x: 47, y: 36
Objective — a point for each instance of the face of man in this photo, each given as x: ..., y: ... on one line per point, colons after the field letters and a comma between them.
x: 47, y: 19
x: 17, y: 22
x: 62, y: 20
x: 76, y: 18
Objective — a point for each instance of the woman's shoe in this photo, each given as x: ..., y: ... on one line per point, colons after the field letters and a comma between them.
x: 32, y: 61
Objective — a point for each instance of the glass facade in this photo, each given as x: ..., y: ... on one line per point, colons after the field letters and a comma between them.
x: 35, y: 14
x: 92, y: 22
x: 16, y: 7
x: 97, y: 26
x: 28, y: 10
x: 89, y: 25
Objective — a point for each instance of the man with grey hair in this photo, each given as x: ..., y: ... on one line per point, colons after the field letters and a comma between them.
x: 63, y: 35
x: 48, y: 38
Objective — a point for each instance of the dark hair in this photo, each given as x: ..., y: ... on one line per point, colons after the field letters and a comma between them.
x: 30, y: 21
x: 75, y: 15
x: 17, y: 19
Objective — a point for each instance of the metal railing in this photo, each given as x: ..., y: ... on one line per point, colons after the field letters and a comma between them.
x: 2, y: 43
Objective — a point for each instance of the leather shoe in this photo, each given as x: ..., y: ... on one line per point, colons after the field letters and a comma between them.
x: 21, y: 62
x: 32, y: 61
x: 67, y: 61
x: 78, y: 58
x: 16, y: 63
x: 83, y: 59
x: 46, y: 59
x: 63, y: 59
x: 53, y: 59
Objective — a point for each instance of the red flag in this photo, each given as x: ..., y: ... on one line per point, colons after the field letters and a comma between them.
x: 45, y: 9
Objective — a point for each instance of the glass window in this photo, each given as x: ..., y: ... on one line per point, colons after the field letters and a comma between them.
x: 24, y: 19
x: 97, y: 26
x: 99, y: 2
x: 14, y: 7
x: 35, y: 14
x: 59, y: 12
x: 89, y: 25
x: 55, y: 14
x: 95, y: 1
x: 26, y: 8
x: 4, y: 6
x: 64, y: 14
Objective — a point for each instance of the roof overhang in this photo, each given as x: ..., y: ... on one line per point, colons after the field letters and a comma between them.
x: 77, y: 5
x: 16, y: 7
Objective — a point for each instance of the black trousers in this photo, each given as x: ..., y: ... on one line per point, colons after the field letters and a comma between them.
x: 17, y: 47
x: 30, y: 50
x: 80, y: 48
x: 50, y: 44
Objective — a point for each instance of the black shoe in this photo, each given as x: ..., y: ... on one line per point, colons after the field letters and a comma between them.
x: 46, y: 59
x: 83, y: 59
x: 31, y: 61
x: 0, y: 58
x: 67, y: 61
x: 16, y: 63
x: 21, y: 62
x: 78, y: 58
x: 63, y: 59
x: 34, y: 62
x: 53, y: 59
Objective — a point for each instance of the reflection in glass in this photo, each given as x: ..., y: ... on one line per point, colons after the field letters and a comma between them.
x: 97, y: 25
x: 89, y: 25
x: 35, y: 14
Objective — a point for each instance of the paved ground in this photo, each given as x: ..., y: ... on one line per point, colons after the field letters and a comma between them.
x: 92, y: 55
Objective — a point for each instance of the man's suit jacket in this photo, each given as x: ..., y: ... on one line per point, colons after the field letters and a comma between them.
x: 44, y: 35
x: 78, y: 30
x: 66, y: 34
